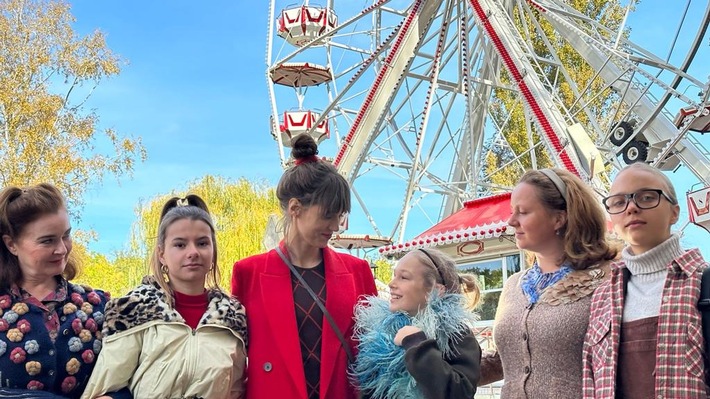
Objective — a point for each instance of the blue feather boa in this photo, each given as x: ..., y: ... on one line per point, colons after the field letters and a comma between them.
x: 379, y: 368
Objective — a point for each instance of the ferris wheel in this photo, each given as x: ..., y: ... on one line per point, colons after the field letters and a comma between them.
x: 415, y: 101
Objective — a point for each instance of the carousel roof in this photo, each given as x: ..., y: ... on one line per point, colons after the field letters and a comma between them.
x: 480, y: 218
x: 357, y: 241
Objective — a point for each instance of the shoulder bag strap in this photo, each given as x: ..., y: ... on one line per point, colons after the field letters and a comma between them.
x: 318, y: 302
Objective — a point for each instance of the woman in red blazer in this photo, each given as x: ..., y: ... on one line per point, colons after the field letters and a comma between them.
x: 293, y: 352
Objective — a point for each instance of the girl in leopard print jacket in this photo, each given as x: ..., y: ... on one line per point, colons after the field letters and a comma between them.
x: 170, y: 337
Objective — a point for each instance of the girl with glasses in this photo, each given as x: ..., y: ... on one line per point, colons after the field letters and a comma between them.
x: 645, y: 334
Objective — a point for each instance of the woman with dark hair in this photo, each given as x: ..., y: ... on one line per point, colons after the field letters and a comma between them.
x: 543, y: 311
x: 301, y: 295
x: 171, y: 337
x: 50, y: 330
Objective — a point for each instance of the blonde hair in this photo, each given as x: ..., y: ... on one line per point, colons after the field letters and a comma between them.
x: 441, y: 268
x: 669, y: 189
x: 584, y: 234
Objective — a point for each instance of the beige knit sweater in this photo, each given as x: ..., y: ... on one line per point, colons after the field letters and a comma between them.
x: 540, y: 347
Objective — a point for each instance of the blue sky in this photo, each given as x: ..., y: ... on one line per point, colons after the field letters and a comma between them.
x: 195, y: 90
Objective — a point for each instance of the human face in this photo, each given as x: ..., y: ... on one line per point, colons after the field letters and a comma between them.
x: 535, y: 225
x: 408, y: 288
x: 43, y: 247
x: 188, y: 253
x: 642, y: 229
x: 311, y: 227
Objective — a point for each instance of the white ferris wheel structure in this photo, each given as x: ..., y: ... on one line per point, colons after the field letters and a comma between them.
x: 411, y: 99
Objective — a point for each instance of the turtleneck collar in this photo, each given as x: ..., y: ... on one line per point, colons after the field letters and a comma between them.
x: 655, y: 259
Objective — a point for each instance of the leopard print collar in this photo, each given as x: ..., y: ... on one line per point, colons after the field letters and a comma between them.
x: 146, y: 303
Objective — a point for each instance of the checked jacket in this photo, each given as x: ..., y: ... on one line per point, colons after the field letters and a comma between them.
x: 680, y: 369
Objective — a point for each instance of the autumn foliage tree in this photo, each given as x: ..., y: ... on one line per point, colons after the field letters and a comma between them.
x: 508, y: 111
x: 240, y: 210
x: 47, y: 74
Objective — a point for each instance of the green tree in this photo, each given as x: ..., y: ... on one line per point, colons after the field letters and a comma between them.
x: 47, y: 73
x: 240, y: 210
x: 509, y: 112
x: 383, y: 269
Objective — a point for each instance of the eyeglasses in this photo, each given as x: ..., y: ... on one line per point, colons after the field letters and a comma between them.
x: 644, y: 199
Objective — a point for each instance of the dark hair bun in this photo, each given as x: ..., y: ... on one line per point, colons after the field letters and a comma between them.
x: 303, y: 146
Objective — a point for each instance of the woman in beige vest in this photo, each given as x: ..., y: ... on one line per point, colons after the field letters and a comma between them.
x: 543, y: 311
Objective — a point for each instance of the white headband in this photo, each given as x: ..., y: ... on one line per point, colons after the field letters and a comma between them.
x: 557, y: 181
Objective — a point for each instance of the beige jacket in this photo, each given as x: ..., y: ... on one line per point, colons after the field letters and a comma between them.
x: 540, y: 347
x: 149, y: 348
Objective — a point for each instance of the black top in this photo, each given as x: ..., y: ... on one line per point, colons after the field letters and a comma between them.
x: 452, y: 377
x: 309, y: 319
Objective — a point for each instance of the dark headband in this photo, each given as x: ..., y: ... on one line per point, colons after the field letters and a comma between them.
x: 436, y: 266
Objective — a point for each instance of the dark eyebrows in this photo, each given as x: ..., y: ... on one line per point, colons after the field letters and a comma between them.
x: 205, y: 237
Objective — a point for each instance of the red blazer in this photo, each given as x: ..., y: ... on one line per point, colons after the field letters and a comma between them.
x: 262, y: 283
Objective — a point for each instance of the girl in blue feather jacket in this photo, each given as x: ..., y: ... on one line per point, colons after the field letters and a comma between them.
x: 419, y: 344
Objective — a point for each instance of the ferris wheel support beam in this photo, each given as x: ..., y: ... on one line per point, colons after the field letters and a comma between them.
x: 499, y: 28
x: 388, y: 80
x: 476, y: 119
x: 660, y: 130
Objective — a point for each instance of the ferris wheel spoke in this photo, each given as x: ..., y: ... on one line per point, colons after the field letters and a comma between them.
x: 424, y: 99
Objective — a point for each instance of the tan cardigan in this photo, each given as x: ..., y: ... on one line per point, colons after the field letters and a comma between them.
x: 540, y: 347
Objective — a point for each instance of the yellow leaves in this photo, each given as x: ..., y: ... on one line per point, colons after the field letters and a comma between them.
x: 508, y: 111
x: 46, y: 134
x: 240, y: 210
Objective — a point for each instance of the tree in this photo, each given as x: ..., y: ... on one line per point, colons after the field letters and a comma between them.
x: 509, y: 112
x: 47, y: 73
x: 240, y: 211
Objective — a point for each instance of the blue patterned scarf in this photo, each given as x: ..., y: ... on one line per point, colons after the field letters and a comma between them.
x: 379, y: 369
x: 535, y: 281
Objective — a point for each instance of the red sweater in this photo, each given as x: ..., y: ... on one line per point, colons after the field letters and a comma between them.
x: 191, y: 307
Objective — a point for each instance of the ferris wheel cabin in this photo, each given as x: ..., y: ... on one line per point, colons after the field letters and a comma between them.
x: 303, y: 122
x: 300, y: 25
x: 699, y: 207
x: 300, y: 76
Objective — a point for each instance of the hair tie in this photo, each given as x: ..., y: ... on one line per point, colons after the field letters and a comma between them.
x: 557, y: 181
x: 182, y: 202
x: 308, y: 159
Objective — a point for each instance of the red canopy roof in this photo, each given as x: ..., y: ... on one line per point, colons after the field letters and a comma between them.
x: 480, y: 218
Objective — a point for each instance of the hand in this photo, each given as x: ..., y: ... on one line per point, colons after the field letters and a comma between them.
x: 404, y: 332
x: 103, y: 397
